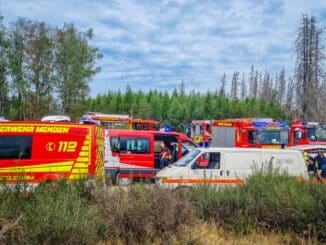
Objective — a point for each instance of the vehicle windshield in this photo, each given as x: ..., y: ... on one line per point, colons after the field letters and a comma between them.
x: 184, y: 161
x: 316, y: 133
x: 273, y: 137
x: 187, y: 146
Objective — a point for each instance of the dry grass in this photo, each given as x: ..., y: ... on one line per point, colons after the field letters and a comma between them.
x: 209, y: 234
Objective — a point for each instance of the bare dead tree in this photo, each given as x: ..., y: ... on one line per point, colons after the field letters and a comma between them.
x: 223, y: 84
x: 281, y: 86
x: 243, y: 87
x: 234, y: 85
x: 308, y: 67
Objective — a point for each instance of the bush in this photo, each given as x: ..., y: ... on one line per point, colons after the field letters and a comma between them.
x: 144, y: 213
x: 53, y: 214
x: 79, y: 214
x: 269, y: 202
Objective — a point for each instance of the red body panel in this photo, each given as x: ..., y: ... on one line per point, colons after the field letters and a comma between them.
x: 299, y: 127
x: 114, y: 121
x: 57, y: 150
x: 144, y: 164
x: 205, y: 133
x: 242, y: 128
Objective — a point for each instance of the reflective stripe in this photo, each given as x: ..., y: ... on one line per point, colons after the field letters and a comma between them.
x: 40, y: 168
x: 202, y: 181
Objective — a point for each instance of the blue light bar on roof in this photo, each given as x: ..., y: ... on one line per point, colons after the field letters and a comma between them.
x: 261, y: 124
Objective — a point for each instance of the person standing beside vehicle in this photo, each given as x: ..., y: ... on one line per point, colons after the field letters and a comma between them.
x: 320, y: 162
x: 166, y: 156
x: 311, y: 166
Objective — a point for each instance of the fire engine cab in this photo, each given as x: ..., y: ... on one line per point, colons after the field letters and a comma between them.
x: 302, y: 133
x: 201, y: 132
x: 120, y: 121
x: 249, y: 132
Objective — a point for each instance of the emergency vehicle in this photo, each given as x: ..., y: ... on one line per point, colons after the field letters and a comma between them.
x: 302, y: 133
x: 121, y: 121
x: 223, y: 167
x: 55, y: 118
x: 249, y: 132
x: 201, y: 132
x: 34, y: 152
x: 132, y: 154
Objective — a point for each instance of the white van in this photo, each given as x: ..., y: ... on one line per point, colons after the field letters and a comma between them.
x: 229, y: 166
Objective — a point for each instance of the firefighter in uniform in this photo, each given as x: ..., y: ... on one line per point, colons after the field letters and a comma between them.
x: 311, y: 167
x: 320, y: 162
x: 166, y: 156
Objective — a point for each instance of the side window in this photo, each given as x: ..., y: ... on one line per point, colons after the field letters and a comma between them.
x: 123, y: 144
x: 155, y: 126
x: 15, y: 147
x: 134, y: 145
x: 114, y: 142
x: 251, y: 138
x: 209, y: 161
x: 145, y: 126
x: 214, y: 160
x: 136, y: 126
x: 201, y: 162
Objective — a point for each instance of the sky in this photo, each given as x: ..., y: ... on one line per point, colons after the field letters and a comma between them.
x: 152, y: 44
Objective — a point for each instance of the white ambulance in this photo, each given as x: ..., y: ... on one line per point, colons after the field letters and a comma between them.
x: 229, y: 166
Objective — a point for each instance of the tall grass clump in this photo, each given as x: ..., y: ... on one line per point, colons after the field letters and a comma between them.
x: 144, y: 213
x: 54, y: 213
x: 270, y: 201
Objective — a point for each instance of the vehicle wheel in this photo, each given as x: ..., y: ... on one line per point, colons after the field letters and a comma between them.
x: 123, y: 181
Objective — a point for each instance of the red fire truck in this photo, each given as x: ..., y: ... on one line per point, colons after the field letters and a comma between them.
x: 133, y: 154
x: 302, y: 133
x: 121, y: 121
x: 201, y: 131
x: 249, y: 132
x: 34, y: 152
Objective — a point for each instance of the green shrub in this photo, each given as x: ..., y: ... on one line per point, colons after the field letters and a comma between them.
x: 55, y: 213
x: 62, y: 213
x: 268, y: 202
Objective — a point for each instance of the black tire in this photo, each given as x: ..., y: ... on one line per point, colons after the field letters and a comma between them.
x: 123, y: 181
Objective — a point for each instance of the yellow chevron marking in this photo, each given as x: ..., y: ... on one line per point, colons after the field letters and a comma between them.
x: 78, y: 176
x: 82, y: 159
x: 48, y: 167
x: 85, y: 148
x: 81, y: 165
x: 84, y: 154
x: 79, y: 171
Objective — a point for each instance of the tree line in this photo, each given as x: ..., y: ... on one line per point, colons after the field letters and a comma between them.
x: 180, y: 108
x: 46, y: 70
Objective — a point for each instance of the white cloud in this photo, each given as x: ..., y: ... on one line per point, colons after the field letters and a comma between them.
x: 156, y: 44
